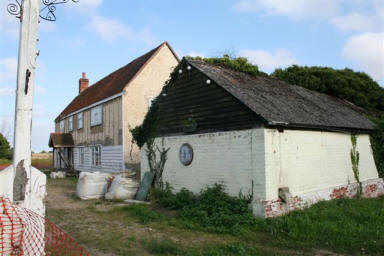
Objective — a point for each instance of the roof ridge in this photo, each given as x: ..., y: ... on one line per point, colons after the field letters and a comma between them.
x: 111, y: 84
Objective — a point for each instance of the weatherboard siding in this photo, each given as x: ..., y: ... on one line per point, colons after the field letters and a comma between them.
x: 189, y: 97
x: 108, y: 133
x: 111, y: 159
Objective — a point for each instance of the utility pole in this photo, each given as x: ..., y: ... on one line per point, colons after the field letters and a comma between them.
x: 20, y: 182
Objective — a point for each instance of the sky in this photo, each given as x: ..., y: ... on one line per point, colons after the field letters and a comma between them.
x: 99, y: 36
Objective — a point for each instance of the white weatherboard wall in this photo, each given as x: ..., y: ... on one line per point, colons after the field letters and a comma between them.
x: 111, y: 159
x: 308, y: 161
x: 233, y: 158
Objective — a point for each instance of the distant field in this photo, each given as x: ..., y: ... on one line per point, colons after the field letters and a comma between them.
x: 40, y: 161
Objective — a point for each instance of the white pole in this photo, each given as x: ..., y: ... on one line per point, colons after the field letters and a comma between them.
x: 30, y: 10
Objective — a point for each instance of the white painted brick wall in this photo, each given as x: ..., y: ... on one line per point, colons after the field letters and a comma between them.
x: 307, y: 161
x: 226, y: 157
x: 304, y: 161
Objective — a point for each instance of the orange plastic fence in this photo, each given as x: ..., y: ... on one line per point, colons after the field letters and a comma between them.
x: 25, y: 233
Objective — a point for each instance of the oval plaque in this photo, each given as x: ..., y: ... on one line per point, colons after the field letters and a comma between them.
x: 186, y: 154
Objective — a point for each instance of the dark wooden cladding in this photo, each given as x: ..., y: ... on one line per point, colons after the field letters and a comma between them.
x: 210, y: 106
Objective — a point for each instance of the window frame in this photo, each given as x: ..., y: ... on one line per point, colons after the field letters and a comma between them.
x: 96, y: 155
x: 62, y: 126
x: 70, y: 123
x: 99, y: 109
x: 80, y: 120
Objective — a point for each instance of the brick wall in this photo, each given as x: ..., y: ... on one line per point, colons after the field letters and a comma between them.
x: 314, y: 166
x: 222, y: 157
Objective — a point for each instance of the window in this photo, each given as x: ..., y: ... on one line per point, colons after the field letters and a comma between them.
x: 96, y: 155
x: 96, y: 115
x: 81, y: 156
x: 70, y: 123
x: 80, y: 120
x: 61, y: 126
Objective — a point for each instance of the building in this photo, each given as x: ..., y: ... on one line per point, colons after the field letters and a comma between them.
x: 284, y: 145
x: 92, y: 132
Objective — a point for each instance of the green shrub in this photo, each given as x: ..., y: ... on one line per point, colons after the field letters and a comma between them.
x: 377, y: 141
x: 5, y: 149
x: 212, y: 208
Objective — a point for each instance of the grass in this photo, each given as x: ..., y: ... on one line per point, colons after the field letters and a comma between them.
x: 342, y: 226
x: 5, y: 161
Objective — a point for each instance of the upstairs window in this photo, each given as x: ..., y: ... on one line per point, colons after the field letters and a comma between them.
x: 61, y: 126
x: 80, y: 120
x: 96, y: 115
x: 70, y: 123
x: 96, y: 155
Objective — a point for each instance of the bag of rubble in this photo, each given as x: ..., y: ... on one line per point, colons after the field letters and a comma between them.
x: 92, y: 185
x: 122, y: 188
x: 58, y: 175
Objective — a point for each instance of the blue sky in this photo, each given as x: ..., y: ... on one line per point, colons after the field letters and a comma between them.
x: 99, y: 36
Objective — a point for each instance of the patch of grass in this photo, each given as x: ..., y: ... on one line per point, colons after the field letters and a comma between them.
x: 163, y: 247
x: 142, y: 213
x: 345, y: 225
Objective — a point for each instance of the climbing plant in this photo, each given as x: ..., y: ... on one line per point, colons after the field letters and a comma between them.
x: 156, y: 166
x: 355, y: 158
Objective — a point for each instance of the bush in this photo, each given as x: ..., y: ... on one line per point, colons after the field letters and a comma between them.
x: 5, y: 149
x: 377, y: 141
x: 212, y: 208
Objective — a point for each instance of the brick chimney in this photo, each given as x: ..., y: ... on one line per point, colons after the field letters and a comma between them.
x: 83, y: 83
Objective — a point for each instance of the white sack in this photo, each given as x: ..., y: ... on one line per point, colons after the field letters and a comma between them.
x: 58, y: 175
x: 92, y: 185
x: 122, y: 188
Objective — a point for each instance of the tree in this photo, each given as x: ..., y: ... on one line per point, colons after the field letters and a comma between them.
x: 5, y: 149
x: 356, y: 87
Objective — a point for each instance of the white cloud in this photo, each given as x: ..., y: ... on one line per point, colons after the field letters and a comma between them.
x: 295, y: 9
x: 47, y: 26
x: 7, y: 91
x: 367, y: 52
x: 40, y: 89
x: 113, y: 29
x: 350, y: 15
x: 6, y: 127
x: 8, y: 69
x: 268, y: 61
x: 84, y: 7
x: 40, y: 135
x: 359, y: 22
x: 9, y: 24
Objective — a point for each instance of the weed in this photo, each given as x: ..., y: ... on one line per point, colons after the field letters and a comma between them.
x: 163, y: 247
x: 142, y: 213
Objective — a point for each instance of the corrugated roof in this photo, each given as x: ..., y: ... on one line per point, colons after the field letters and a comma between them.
x: 60, y: 140
x: 282, y: 104
x: 110, y: 85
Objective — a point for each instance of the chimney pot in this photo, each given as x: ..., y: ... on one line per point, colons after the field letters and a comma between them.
x: 83, y: 83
